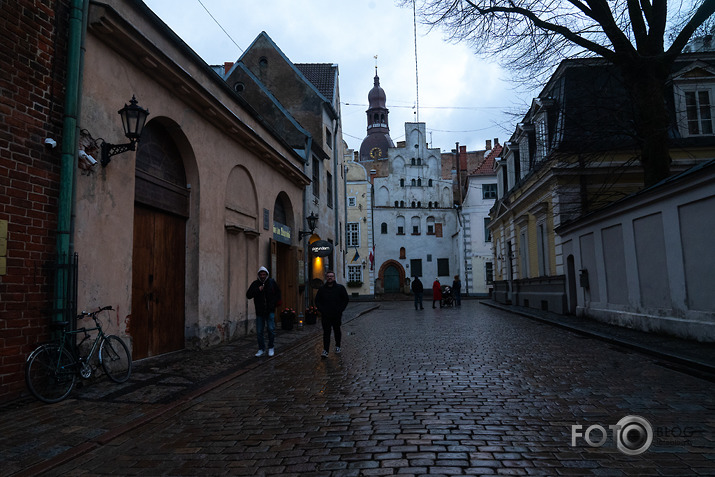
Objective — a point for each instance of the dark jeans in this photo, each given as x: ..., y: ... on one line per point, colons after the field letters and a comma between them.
x: 334, y: 325
x: 418, y: 300
x: 261, y: 322
x: 458, y: 298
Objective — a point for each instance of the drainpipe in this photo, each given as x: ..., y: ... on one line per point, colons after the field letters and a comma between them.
x: 306, y: 195
x: 338, y: 236
x: 75, y: 48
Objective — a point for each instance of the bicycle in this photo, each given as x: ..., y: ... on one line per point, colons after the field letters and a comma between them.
x: 51, y: 370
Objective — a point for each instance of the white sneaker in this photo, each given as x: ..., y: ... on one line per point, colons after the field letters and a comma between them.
x: 337, y: 349
x: 271, y: 352
x: 260, y: 353
x: 325, y: 353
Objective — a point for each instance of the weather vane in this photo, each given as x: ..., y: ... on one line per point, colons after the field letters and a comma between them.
x: 375, y: 64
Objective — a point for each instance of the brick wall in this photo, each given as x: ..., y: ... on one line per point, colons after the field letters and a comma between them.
x: 33, y: 37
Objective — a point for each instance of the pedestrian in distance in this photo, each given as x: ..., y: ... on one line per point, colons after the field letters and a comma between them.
x: 436, y: 292
x: 457, y: 290
x: 418, y: 289
x: 331, y: 300
x: 266, y: 296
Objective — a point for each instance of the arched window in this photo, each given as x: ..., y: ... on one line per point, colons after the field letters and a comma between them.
x: 429, y: 184
x: 419, y: 161
x: 430, y: 204
x: 419, y: 204
x: 397, y: 204
x: 400, y: 225
x: 413, y: 204
x: 414, y: 182
x: 436, y: 205
x: 383, y: 228
x: 402, y: 183
x: 415, y: 225
x: 413, y: 161
x: 403, y: 253
x: 419, y: 181
x: 402, y: 203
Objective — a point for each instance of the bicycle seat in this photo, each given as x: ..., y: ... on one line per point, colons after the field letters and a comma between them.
x: 58, y: 325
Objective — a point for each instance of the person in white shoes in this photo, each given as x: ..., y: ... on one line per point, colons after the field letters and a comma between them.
x: 266, y: 295
x: 331, y: 300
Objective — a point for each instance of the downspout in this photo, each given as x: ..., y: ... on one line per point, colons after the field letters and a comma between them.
x: 306, y: 254
x: 338, y: 238
x: 75, y: 47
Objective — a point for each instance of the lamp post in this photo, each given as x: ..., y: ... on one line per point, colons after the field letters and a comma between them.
x: 133, y: 120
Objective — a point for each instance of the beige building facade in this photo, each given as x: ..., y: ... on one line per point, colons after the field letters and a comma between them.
x: 173, y: 234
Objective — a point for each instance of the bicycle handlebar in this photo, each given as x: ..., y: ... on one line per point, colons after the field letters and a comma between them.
x: 93, y: 313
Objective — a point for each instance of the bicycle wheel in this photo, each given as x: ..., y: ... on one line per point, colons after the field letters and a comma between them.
x: 50, y: 373
x: 115, y: 359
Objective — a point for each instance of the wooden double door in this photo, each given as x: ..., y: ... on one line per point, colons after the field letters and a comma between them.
x: 158, y: 271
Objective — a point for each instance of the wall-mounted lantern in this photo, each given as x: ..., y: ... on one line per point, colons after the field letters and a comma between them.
x: 133, y: 120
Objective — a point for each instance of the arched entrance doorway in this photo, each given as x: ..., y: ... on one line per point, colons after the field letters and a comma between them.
x: 284, y: 258
x: 159, y: 249
x: 392, y: 279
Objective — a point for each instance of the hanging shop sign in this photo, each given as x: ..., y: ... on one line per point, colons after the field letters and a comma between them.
x: 321, y: 248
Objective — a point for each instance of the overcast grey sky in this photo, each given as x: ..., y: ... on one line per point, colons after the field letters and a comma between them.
x: 461, y: 98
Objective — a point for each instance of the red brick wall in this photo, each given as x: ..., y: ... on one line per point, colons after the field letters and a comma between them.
x: 33, y: 38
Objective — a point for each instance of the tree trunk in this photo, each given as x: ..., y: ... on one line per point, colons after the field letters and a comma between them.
x: 646, y: 82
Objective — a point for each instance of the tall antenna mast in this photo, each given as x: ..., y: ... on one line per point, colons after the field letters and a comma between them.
x: 417, y: 81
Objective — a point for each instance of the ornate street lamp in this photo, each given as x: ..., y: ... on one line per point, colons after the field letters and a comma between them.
x: 133, y: 120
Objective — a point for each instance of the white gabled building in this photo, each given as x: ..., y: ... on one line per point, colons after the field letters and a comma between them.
x: 477, y: 245
x: 414, y: 217
x: 358, y: 226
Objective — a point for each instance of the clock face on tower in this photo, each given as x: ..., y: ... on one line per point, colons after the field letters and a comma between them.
x: 375, y: 152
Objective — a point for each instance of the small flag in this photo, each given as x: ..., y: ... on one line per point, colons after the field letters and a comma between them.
x: 372, y: 258
x: 356, y: 257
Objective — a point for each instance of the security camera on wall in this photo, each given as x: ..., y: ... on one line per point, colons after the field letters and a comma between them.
x: 86, y: 161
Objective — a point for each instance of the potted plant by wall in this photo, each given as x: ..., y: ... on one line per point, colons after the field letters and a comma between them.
x: 311, y: 315
x: 354, y: 284
x: 287, y: 318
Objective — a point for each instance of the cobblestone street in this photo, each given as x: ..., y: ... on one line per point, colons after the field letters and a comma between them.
x: 464, y: 391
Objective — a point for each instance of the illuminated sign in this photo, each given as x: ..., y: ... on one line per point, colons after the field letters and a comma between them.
x: 321, y: 248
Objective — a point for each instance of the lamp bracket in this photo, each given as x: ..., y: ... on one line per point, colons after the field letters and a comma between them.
x: 109, y: 150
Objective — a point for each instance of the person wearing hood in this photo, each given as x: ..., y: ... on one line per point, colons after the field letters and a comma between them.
x: 266, y: 296
x: 436, y: 292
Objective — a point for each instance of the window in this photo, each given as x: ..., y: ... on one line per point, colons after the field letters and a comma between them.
x: 402, y: 203
x: 352, y: 201
x: 489, y: 273
x: 383, y: 228
x: 316, y: 178
x: 414, y: 204
x: 403, y: 253
x: 413, y: 182
x: 438, y: 230
x: 442, y: 267
x: 419, y: 161
x: 400, y: 225
x: 487, y: 232
x: 429, y: 183
x: 329, y: 177
x: 413, y: 161
x: 489, y: 191
x: 402, y: 183
x: 354, y: 273
x: 397, y: 204
x: 543, y: 250
x: 353, y: 234
x: 415, y: 225
x: 429, y: 257
x: 419, y: 181
x: 328, y: 138
x: 416, y: 267
x: 699, y: 112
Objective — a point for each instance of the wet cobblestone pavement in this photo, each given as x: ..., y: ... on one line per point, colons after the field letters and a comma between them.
x: 469, y: 391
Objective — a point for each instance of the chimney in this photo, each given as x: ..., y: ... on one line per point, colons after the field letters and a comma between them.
x: 463, y: 158
x: 227, y: 67
x: 489, y: 144
x: 496, y: 141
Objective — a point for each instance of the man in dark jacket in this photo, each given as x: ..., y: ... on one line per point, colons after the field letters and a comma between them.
x: 418, y: 289
x: 266, y: 295
x: 331, y: 300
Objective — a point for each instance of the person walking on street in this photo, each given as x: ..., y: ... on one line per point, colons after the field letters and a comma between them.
x: 418, y: 289
x: 266, y: 296
x: 331, y: 300
x: 457, y: 290
x: 436, y: 292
